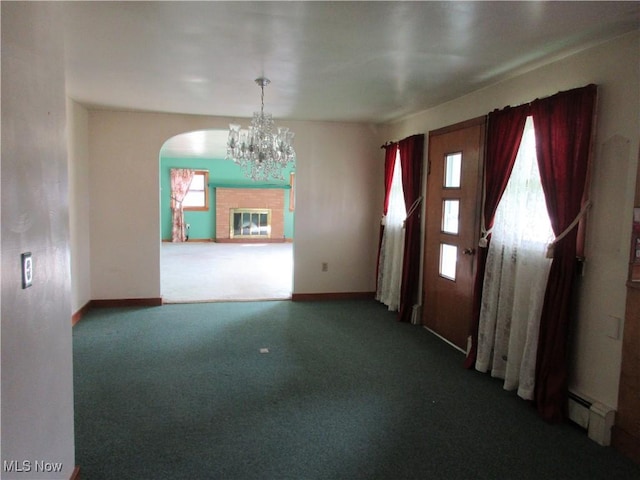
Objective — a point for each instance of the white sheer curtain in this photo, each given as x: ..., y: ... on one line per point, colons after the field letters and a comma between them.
x: 516, y: 276
x: 392, y: 247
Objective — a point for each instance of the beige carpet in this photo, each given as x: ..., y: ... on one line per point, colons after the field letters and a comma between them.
x: 208, y: 272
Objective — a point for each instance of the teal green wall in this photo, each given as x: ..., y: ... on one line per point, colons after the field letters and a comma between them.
x: 223, y: 173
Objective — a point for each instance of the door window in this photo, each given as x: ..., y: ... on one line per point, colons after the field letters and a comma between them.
x: 450, y: 216
x: 452, y: 170
x: 448, y: 261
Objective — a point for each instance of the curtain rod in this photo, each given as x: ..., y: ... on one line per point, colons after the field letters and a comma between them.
x: 528, y: 104
x: 387, y: 144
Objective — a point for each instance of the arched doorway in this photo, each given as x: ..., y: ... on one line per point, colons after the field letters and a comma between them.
x: 214, y: 264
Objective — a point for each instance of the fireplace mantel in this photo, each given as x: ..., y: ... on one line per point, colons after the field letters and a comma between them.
x: 252, y: 186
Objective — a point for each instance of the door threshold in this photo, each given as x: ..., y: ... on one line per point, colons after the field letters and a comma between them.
x: 444, y: 339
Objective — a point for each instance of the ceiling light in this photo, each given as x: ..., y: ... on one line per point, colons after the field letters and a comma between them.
x: 261, y: 153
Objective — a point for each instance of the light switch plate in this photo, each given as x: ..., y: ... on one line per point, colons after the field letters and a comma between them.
x: 27, y: 269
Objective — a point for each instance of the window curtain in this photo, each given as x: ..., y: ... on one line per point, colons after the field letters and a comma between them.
x: 180, y: 182
x: 504, y: 133
x: 391, y: 255
x: 391, y: 150
x: 563, y: 125
x: 516, y: 276
x: 411, y: 158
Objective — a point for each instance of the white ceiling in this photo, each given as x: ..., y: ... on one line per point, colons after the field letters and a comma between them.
x: 345, y: 61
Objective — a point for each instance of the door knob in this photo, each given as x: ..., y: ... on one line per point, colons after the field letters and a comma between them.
x: 469, y: 251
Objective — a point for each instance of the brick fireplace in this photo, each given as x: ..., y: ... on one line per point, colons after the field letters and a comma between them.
x: 254, y: 199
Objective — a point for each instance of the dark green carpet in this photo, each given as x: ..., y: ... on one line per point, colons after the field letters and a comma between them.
x: 345, y: 392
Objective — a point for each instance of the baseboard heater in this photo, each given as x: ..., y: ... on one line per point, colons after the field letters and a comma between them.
x: 595, y: 417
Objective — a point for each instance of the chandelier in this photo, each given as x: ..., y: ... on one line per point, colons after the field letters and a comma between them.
x: 261, y: 153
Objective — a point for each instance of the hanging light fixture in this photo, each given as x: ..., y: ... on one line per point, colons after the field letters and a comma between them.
x: 261, y: 153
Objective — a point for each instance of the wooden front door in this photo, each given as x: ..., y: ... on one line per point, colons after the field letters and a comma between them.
x: 452, y: 228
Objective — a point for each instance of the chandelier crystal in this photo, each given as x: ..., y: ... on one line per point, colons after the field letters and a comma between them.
x: 261, y: 153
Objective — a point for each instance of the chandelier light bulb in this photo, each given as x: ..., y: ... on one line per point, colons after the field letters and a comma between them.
x: 261, y: 153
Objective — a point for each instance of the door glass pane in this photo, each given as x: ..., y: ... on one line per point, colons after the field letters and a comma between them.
x: 448, y: 260
x: 450, y: 216
x: 246, y: 223
x: 264, y: 224
x: 237, y: 224
x: 452, y: 170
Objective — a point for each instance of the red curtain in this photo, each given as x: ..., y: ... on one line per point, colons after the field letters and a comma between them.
x: 504, y: 133
x: 389, y: 164
x: 411, y: 160
x: 563, y: 124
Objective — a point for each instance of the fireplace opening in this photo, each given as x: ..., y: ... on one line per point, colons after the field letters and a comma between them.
x: 250, y: 223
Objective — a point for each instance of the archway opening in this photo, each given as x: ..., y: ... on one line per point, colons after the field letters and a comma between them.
x: 225, y: 255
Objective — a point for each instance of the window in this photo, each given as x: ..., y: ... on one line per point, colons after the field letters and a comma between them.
x: 521, y: 216
x: 392, y: 248
x: 516, y: 275
x: 448, y: 261
x: 450, y: 216
x: 453, y: 170
x: 197, y: 197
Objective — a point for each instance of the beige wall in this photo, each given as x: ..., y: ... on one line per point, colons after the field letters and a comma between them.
x: 337, y: 203
x: 339, y: 189
x: 614, y: 67
x: 37, y: 370
x: 79, y: 201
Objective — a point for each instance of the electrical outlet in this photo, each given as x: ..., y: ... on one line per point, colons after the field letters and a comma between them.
x: 27, y: 269
x: 325, y: 267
